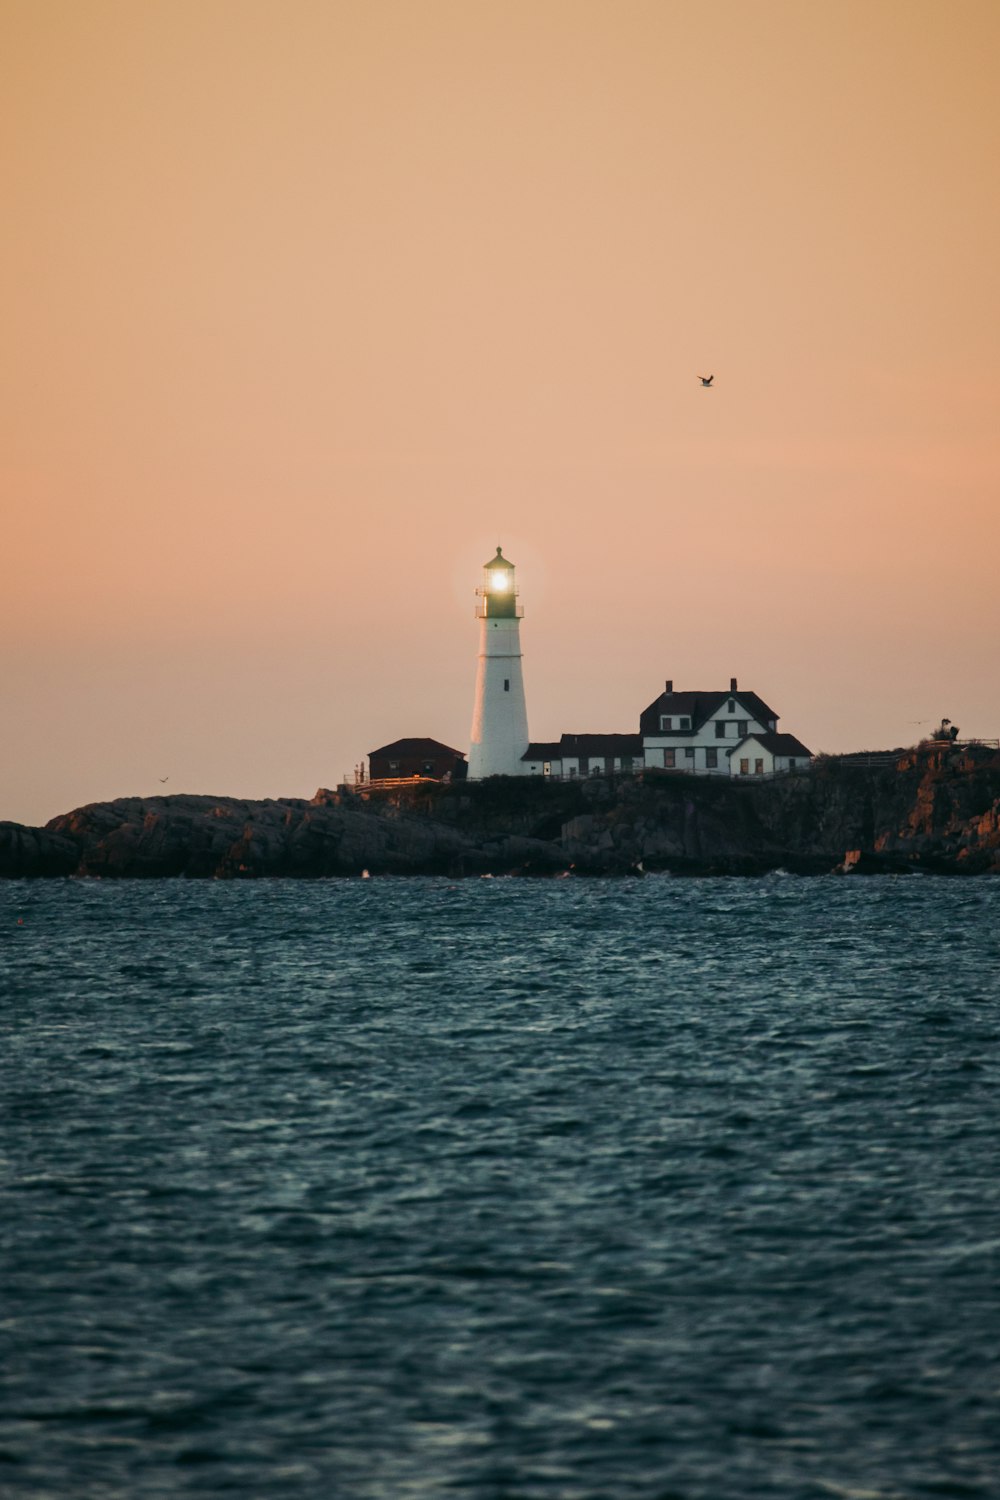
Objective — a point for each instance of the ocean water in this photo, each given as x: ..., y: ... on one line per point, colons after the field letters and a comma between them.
x: 387, y: 1189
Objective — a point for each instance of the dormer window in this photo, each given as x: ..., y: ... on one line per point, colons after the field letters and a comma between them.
x: 684, y: 723
x: 666, y: 723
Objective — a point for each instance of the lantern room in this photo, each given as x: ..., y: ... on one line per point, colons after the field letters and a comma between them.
x: 498, y: 595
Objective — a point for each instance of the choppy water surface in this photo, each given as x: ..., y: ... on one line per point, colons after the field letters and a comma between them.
x: 406, y: 1188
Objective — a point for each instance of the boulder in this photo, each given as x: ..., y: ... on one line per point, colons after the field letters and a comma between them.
x: 26, y: 853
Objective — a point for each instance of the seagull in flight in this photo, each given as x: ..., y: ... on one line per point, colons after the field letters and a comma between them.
x: 163, y: 779
x: 706, y: 380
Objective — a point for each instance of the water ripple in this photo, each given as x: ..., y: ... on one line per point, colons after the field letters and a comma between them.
x: 603, y: 1190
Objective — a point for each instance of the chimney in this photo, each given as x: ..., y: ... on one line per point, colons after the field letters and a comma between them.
x: 670, y: 686
x: 732, y: 684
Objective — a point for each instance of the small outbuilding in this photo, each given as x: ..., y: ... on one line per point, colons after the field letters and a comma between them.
x: 416, y: 757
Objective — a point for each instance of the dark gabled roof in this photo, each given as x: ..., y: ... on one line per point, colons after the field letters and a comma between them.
x: 401, y: 748
x: 601, y: 744
x: 699, y: 708
x: 688, y: 706
x: 542, y: 750
x: 585, y: 744
x: 778, y: 744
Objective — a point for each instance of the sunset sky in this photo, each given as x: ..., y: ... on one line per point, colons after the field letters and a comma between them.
x: 308, y: 305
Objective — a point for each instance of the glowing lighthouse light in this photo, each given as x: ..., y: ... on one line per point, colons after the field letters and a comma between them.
x: 499, y: 718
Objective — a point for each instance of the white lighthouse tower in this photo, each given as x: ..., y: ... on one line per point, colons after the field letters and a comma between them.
x: 499, y: 719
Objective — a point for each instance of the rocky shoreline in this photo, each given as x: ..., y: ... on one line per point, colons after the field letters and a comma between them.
x: 933, y: 809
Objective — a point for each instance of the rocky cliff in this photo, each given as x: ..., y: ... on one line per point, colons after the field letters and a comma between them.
x: 933, y: 808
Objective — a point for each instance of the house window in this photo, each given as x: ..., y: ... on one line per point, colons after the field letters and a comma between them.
x: 684, y: 723
x: 711, y: 760
x: 720, y: 729
x: 394, y: 765
x: 689, y: 752
x: 626, y: 762
x: 731, y: 706
x: 758, y: 768
x: 744, y: 768
x: 791, y: 761
x: 506, y: 684
x: 547, y: 768
x: 742, y: 725
x: 666, y: 723
x: 669, y: 758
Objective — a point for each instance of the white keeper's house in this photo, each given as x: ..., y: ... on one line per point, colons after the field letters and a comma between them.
x: 718, y: 733
x: 730, y: 733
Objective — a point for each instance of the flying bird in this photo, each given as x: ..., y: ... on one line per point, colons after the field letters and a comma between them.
x: 163, y: 779
x: 706, y: 380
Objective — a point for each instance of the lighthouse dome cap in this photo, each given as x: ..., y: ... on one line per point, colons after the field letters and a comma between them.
x: 498, y: 562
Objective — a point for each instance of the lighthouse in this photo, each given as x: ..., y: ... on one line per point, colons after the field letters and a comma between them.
x: 500, y: 718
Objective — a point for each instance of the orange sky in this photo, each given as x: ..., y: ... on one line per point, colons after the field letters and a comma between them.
x: 307, y: 305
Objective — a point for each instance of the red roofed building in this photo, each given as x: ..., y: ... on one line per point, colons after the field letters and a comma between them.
x: 416, y: 757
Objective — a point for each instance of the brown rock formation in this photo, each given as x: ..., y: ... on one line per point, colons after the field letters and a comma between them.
x: 936, y: 809
x: 29, y: 852
x: 228, y: 837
